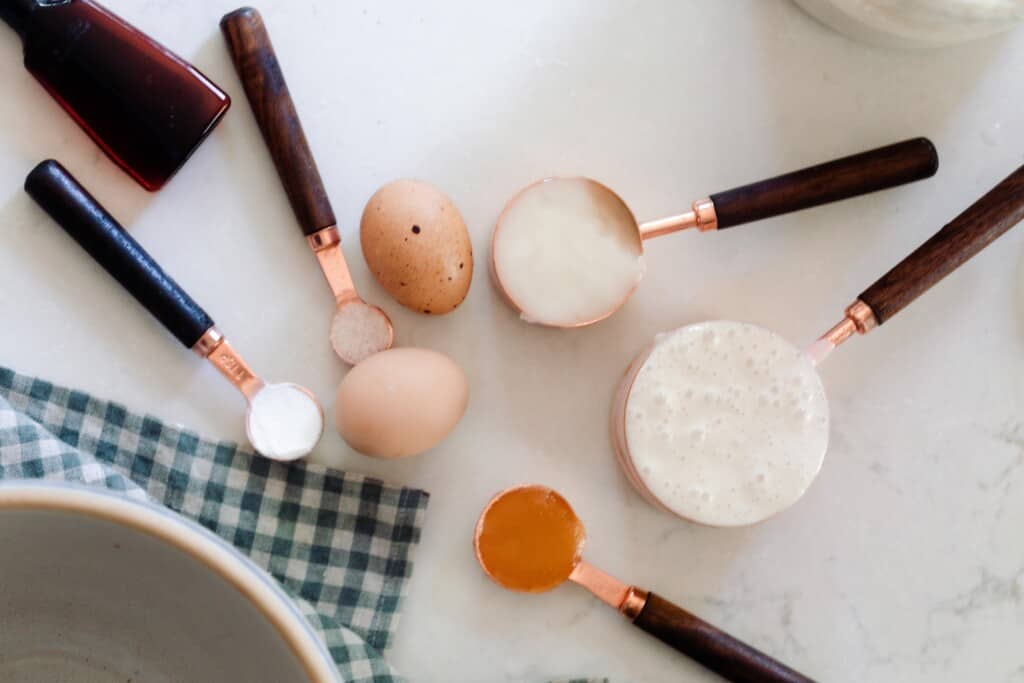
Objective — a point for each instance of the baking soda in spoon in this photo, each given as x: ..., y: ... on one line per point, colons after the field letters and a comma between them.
x: 284, y: 421
x: 727, y: 423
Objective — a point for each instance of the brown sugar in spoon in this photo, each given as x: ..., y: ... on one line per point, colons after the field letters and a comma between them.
x: 359, y: 330
x: 530, y: 540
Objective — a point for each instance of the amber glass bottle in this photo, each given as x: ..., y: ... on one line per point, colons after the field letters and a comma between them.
x: 146, y: 107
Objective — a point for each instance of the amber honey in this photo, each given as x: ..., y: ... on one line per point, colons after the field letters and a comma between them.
x: 529, y: 539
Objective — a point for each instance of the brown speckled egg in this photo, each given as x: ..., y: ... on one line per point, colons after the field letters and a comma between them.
x: 417, y: 246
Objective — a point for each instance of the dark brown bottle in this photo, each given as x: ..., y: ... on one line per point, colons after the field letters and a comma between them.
x: 146, y: 107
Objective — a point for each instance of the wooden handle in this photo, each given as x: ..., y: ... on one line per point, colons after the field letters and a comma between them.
x: 951, y: 247
x: 716, y: 650
x: 257, y: 66
x: 851, y: 176
x: 82, y: 217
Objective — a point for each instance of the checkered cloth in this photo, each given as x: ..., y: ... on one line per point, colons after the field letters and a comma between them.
x: 340, y: 544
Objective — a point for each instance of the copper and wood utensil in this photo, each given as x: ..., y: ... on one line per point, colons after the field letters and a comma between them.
x: 96, y: 231
x: 959, y: 241
x: 359, y: 329
x: 851, y: 176
x: 529, y: 539
x: 977, y: 227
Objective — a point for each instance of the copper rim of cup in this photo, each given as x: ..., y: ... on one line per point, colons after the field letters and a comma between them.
x: 481, y: 523
x: 496, y: 271
x: 619, y: 436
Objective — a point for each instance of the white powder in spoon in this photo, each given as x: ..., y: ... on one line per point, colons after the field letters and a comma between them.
x: 727, y: 423
x: 284, y: 423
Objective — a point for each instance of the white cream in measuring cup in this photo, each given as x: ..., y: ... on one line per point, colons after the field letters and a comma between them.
x: 568, y: 252
x: 727, y: 423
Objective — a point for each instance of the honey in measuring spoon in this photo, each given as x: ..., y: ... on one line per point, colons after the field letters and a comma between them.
x: 529, y: 539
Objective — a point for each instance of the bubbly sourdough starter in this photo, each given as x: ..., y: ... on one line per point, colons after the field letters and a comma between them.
x: 727, y: 423
x: 567, y: 254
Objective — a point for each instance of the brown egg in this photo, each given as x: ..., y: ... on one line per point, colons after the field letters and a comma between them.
x: 417, y: 246
x: 400, y: 402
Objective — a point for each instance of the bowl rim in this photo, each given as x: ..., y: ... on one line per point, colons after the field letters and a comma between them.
x: 202, y: 545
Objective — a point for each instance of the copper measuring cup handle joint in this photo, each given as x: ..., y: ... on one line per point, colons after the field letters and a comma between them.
x: 702, y: 216
x: 628, y: 600
x: 215, y: 348
x: 860, y: 319
x: 326, y: 245
x: 210, y: 340
x: 324, y: 238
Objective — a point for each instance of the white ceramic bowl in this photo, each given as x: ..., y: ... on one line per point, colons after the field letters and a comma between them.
x: 95, y: 588
x: 917, y: 23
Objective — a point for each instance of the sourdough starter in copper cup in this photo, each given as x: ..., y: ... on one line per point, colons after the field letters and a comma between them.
x: 568, y: 252
x: 727, y: 424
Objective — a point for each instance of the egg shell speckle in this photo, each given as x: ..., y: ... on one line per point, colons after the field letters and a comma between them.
x: 417, y: 246
x: 401, y: 402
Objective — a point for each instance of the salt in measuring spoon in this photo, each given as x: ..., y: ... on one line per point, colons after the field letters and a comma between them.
x: 530, y: 540
x: 739, y: 452
x: 567, y: 252
x: 359, y: 330
x: 284, y: 422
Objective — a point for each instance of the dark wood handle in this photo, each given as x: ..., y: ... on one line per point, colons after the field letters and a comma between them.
x: 82, y: 217
x: 851, y: 176
x: 715, y: 649
x: 951, y: 247
x: 257, y: 66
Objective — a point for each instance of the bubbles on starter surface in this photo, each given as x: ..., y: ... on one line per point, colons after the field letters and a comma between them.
x: 727, y: 423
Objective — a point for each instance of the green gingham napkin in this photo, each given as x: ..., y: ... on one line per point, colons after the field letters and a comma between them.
x: 340, y: 544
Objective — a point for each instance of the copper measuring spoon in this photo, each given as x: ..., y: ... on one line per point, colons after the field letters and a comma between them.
x: 359, y: 330
x: 986, y: 220
x: 530, y: 540
x: 96, y: 231
x: 851, y: 176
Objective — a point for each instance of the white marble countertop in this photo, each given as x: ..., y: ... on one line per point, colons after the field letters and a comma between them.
x: 905, y: 562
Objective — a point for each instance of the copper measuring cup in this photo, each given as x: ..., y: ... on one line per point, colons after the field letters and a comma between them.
x: 986, y: 220
x: 851, y: 176
x: 359, y: 330
x: 89, y: 224
x: 508, y: 532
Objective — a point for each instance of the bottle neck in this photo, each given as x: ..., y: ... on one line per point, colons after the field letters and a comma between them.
x: 16, y: 13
